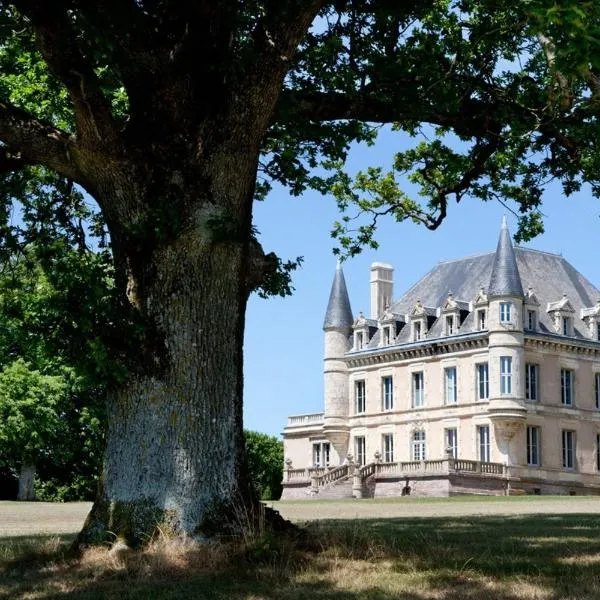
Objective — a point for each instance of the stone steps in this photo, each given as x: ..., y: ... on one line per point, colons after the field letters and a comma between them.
x: 342, y: 488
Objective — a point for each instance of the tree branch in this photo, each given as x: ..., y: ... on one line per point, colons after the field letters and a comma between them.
x: 30, y: 141
x: 58, y: 44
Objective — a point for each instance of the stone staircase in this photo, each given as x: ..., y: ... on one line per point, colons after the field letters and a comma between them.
x: 341, y: 488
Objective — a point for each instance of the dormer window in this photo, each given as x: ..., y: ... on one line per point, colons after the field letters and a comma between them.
x: 531, y: 323
x: 481, y: 322
x: 359, y: 340
x: 505, y: 312
x: 417, y: 331
x: 450, y: 325
x: 566, y: 325
x: 387, y: 335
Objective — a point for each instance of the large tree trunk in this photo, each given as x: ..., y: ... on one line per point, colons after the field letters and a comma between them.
x: 175, y: 440
x: 27, y: 482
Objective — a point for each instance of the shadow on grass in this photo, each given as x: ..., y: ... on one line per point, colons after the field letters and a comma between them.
x: 499, y: 558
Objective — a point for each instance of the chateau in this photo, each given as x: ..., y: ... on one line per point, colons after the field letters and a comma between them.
x: 483, y: 378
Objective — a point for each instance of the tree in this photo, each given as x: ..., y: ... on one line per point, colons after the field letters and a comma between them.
x: 176, y: 116
x: 30, y: 419
x: 265, y: 464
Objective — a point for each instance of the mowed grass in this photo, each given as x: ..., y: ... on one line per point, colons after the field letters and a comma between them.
x: 516, y: 557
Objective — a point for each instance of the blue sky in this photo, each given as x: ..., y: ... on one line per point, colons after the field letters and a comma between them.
x: 284, y: 340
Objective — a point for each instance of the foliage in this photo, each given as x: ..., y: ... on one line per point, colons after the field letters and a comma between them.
x: 265, y: 464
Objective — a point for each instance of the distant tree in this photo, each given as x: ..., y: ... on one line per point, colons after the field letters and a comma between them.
x: 32, y: 408
x: 265, y: 464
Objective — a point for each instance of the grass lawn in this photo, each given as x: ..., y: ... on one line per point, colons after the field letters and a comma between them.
x: 499, y: 557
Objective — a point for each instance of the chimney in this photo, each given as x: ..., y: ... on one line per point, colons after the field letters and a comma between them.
x: 382, y: 288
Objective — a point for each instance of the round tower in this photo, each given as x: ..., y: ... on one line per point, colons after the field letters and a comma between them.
x: 338, y: 328
x: 506, y: 406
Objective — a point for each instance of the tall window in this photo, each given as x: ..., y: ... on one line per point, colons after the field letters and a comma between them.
x: 531, y: 320
x: 387, y: 392
x: 452, y: 442
x: 531, y: 382
x: 566, y: 387
x: 483, y: 381
x: 449, y: 325
x: 505, y: 375
x: 504, y: 312
x: 417, y: 389
x: 533, y: 446
x: 481, y: 324
x: 321, y: 452
x: 483, y: 437
x: 450, y: 380
x: 387, y: 335
x: 568, y: 449
x: 359, y: 338
x: 387, y: 443
x: 598, y: 451
x: 416, y: 331
x: 360, y: 450
x: 418, y: 445
x: 566, y: 323
x: 597, y: 389
x: 359, y: 397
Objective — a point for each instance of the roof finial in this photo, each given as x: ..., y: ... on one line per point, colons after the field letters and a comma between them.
x: 504, y: 223
x: 338, y: 264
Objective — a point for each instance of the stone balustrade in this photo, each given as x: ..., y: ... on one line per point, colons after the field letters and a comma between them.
x: 304, y: 420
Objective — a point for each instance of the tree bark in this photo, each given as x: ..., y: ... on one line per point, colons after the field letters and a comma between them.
x: 27, y: 482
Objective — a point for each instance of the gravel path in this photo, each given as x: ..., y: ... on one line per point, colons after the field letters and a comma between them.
x: 30, y: 518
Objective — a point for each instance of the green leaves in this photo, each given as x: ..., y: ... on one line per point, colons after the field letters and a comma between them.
x: 264, y: 454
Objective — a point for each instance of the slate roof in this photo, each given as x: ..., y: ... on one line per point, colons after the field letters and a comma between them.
x: 550, y: 276
x: 338, y: 313
x: 505, y: 280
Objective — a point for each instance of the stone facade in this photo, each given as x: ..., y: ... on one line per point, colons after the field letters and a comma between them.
x: 499, y: 384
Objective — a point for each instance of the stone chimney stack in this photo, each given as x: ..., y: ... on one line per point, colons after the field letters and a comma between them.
x: 382, y: 288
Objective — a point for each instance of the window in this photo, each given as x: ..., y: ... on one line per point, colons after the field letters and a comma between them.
x: 566, y: 325
x: 504, y: 312
x: 452, y: 442
x: 449, y: 325
x: 598, y: 330
x: 531, y: 382
x: 597, y: 389
x: 359, y: 397
x: 387, y: 336
x: 505, y: 375
x: 321, y: 451
x: 418, y: 445
x: 483, y: 437
x: 481, y: 324
x: 450, y: 379
x: 360, y: 448
x: 416, y: 331
x: 417, y: 389
x: 387, y: 442
x: 359, y: 338
x: 598, y: 451
x: 387, y: 391
x: 533, y: 446
x: 483, y: 381
x: 531, y: 320
x: 566, y: 387
x: 568, y: 449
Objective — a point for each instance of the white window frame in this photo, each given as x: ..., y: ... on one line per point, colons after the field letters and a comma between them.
x: 568, y: 449
x: 451, y: 440
x: 387, y: 335
x: 567, y: 387
x: 387, y: 447
x: 532, y: 372
x: 449, y: 324
x: 531, y: 320
x: 360, y: 396
x: 506, y: 375
x: 450, y: 385
x: 566, y: 325
x: 360, y: 450
x: 483, y: 380
x: 321, y: 454
x: 533, y: 446
x: 417, y: 331
x: 387, y: 393
x: 359, y: 340
x: 419, y: 445
x: 483, y: 442
x: 505, y: 312
x: 418, y: 389
x: 481, y: 319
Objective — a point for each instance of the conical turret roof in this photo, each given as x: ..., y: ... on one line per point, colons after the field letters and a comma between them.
x: 339, y: 313
x: 505, y: 279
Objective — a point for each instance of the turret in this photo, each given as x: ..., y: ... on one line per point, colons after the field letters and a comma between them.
x: 506, y: 345
x: 338, y: 328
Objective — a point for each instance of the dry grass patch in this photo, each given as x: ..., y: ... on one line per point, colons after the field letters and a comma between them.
x: 548, y: 557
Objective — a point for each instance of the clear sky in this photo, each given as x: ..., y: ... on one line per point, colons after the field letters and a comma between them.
x: 284, y: 337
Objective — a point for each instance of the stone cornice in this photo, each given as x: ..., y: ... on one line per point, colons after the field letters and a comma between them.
x: 420, y: 349
x: 558, y: 343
